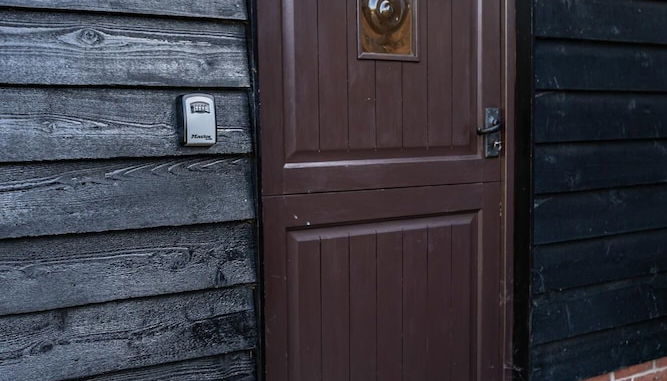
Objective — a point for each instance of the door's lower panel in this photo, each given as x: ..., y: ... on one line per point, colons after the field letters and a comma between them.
x: 400, y: 284
x: 392, y: 300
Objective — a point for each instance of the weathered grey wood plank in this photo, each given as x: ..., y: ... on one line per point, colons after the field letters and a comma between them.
x: 592, y: 355
x: 581, y: 215
x: 562, y: 315
x: 39, y: 274
x: 57, y: 123
x: 637, y: 21
x: 597, y: 302
x: 130, y: 334
x: 587, y: 116
x: 76, y: 49
x: 220, y: 9
x: 582, y: 263
x: 586, y: 166
x: 575, y: 65
x: 238, y: 366
x: 78, y: 197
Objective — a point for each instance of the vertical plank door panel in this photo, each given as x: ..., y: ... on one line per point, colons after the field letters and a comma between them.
x: 335, y: 309
x: 415, y: 296
x: 382, y: 214
x: 363, y: 307
x: 440, y: 66
x: 389, y: 305
x: 389, y: 104
x: 440, y: 313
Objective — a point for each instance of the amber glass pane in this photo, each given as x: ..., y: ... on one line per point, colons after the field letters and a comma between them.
x: 387, y: 29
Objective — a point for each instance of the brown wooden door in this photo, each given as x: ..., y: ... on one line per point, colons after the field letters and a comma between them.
x: 382, y: 218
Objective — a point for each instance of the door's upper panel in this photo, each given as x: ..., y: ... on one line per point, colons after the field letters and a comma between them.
x: 356, y: 108
x: 335, y: 121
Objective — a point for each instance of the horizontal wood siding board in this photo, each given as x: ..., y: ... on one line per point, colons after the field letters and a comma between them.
x: 219, y: 9
x: 76, y: 49
x: 238, y: 366
x: 600, y: 260
x: 598, y: 263
x: 101, y: 338
x: 586, y: 166
x: 80, y: 123
x: 125, y: 256
x: 45, y: 273
x: 560, y: 315
x: 599, y: 353
x: 637, y: 21
x: 575, y: 65
x: 78, y: 197
x: 586, y: 116
x: 567, y: 217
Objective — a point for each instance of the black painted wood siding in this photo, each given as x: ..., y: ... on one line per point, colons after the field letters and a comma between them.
x: 599, y: 253
x: 124, y: 255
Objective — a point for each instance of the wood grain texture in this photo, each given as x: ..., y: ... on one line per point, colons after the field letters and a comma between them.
x: 638, y: 21
x: 415, y: 88
x: 415, y: 305
x: 219, y: 9
x: 39, y: 274
x: 590, y: 116
x: 89, y: 151
x: 440, y: 321
x: 586, y: 166
x: 305, y: 309
x: 576, y: 65
x: 380, y: 299
x: 108, y: 337
x: 363, y: 307
x: 77, y: 49
x: 399, y: 124
x: 360, y: 92
x: 77, y: 197
x: 566, y: 217
x: 335, y: 307
x: 599, y: 353
x: 600, y: 260
x: 238, y: 366
x: 85, y: 123
x: 440, y: 73
x: 562, y: 315
x: 389, y: 257
x: 463, y: 94
x: 352, y: 109
x: 332, y: 65
x: 463, y: 324
x: 300, y: 67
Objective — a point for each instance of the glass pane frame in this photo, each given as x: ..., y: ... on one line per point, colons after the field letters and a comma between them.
x: 394, y: 40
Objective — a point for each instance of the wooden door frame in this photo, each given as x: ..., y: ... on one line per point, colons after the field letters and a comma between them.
x: 509, y: 176
x: 519, y: 243
x: 511, y: 171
